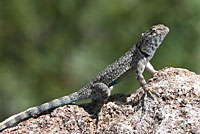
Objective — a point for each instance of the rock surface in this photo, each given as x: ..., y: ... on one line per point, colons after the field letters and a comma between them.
x: 173, y: 109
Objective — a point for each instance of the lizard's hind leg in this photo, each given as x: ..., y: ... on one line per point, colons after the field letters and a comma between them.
x: 101, y: 92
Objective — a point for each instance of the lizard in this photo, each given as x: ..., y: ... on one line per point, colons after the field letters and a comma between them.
x: 134, y: 61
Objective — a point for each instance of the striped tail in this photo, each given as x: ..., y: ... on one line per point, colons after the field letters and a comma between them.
x: 15, y: 119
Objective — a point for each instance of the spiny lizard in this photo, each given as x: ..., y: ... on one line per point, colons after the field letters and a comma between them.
x: 133, y: 61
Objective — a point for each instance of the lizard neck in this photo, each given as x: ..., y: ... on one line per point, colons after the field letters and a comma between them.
x: 147, y: 55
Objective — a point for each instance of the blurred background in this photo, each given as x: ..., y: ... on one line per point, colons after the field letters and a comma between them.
x: 49, y: 49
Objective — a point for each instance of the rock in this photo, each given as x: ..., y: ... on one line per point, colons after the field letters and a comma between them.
x: 173, y: 108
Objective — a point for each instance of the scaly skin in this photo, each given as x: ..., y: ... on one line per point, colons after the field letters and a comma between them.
x: 133, y: 61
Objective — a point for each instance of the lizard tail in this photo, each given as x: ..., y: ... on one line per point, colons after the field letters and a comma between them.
x: 15, y: 119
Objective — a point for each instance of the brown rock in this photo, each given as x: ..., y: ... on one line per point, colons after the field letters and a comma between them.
x: 173, y: 109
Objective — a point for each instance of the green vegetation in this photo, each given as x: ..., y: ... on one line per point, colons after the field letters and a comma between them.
x: 49, y: 49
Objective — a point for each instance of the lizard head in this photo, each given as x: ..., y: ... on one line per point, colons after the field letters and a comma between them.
x: 152, y: 39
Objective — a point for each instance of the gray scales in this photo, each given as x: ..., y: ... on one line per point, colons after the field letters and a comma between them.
x: 132, y: 62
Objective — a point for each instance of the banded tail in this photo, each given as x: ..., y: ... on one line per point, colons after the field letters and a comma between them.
x: 17, y: 118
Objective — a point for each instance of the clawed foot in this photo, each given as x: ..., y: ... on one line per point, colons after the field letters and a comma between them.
x: 150, y: 92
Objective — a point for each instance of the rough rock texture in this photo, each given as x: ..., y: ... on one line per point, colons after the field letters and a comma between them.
x: 173, y: 109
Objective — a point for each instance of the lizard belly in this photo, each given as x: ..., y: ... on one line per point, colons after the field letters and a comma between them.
x: 125, y: 75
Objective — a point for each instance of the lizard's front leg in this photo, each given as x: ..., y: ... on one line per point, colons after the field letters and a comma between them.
x: 150, y: 68
x: 141, y: 65
x: 139, y: 73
